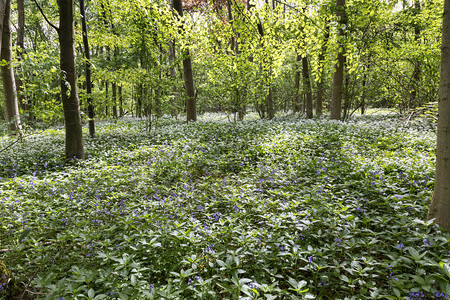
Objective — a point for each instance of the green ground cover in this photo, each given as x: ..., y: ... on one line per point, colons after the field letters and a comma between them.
x: 285, y: 209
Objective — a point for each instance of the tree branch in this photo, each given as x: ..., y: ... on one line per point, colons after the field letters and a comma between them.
x: 45, y: 17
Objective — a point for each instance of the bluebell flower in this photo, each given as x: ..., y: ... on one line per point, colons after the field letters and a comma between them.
x: 427, y: 242
x: 253, y: 285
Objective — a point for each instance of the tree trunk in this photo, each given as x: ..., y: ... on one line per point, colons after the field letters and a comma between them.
x: 440, y: 202
x: 338, y: 79
x: 296, y: 99
x: 173, y: 76
x: 87, y: 56
x: 140, y: 96
x: 307, y: 86
x: 106, y: 98
x: 191, y: 113
x: 71, y: 105
x: 270, y: 109
x: 416, y: 72
x: 120, y: 101
x: 21, y: 23
x: 363, y: 100
x: 114, y: 99
x: 9, y: 83
x: 20, y: 48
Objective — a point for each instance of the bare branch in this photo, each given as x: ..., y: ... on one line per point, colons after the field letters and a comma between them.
x: 45, y: 17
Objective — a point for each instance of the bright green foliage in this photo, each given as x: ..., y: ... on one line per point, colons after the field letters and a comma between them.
x: 291, y: 209
x: 234, y: 65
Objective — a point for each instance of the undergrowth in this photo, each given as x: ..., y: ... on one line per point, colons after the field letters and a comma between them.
x: 284, y: 209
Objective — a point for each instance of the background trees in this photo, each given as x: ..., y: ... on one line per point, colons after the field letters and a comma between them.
x: 266, y: 56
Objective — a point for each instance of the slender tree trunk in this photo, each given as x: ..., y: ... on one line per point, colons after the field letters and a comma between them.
x: 9, y: 83
x: 20, y: 48
x: 270, y: 108
x: 87, y: 56
x: 114, y: 99
x: 173, y: 76
x: 440, y: 202
x: 114, y: 84
x: 338, y: 79
x: 21, y: 23
x: 191, y: 113
x: 363, y: 97
x: 307, y: 85
x: 140, y: 96
x: 416, y: 72
x: 106, y: 98
x: 71, y: 105
x: 120, y: 101
x: 296, y: 99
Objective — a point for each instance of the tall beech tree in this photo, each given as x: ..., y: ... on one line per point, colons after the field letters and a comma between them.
x: 9, y: 83
x: 338, y: 79
x: 191, y: 110
x: 69, y: 89
x: 440, y: 202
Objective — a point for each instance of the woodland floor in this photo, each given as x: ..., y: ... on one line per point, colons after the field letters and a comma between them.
x: 283, y: 209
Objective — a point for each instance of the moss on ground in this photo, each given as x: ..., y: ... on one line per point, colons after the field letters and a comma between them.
x: 8, y: 287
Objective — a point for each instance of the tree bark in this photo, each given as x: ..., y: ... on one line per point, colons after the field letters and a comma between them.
x: 120, y: 101
x: 307, y: 86
x: 338, y: 79
x: 9, y: 83
x: 440, y: 202
x: 173, y: 76
x: 20, y: 48
x: 416, y: 72
x: 296, y: 100
x: 69, y: 89
x: 270, y: 109
x: 21, y: 23
x: 87, y: 56
x: 363, y: 100
x: 114, y: 84
x: 106, y: 98
x: 114, y: 99
x: 191, y: 113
